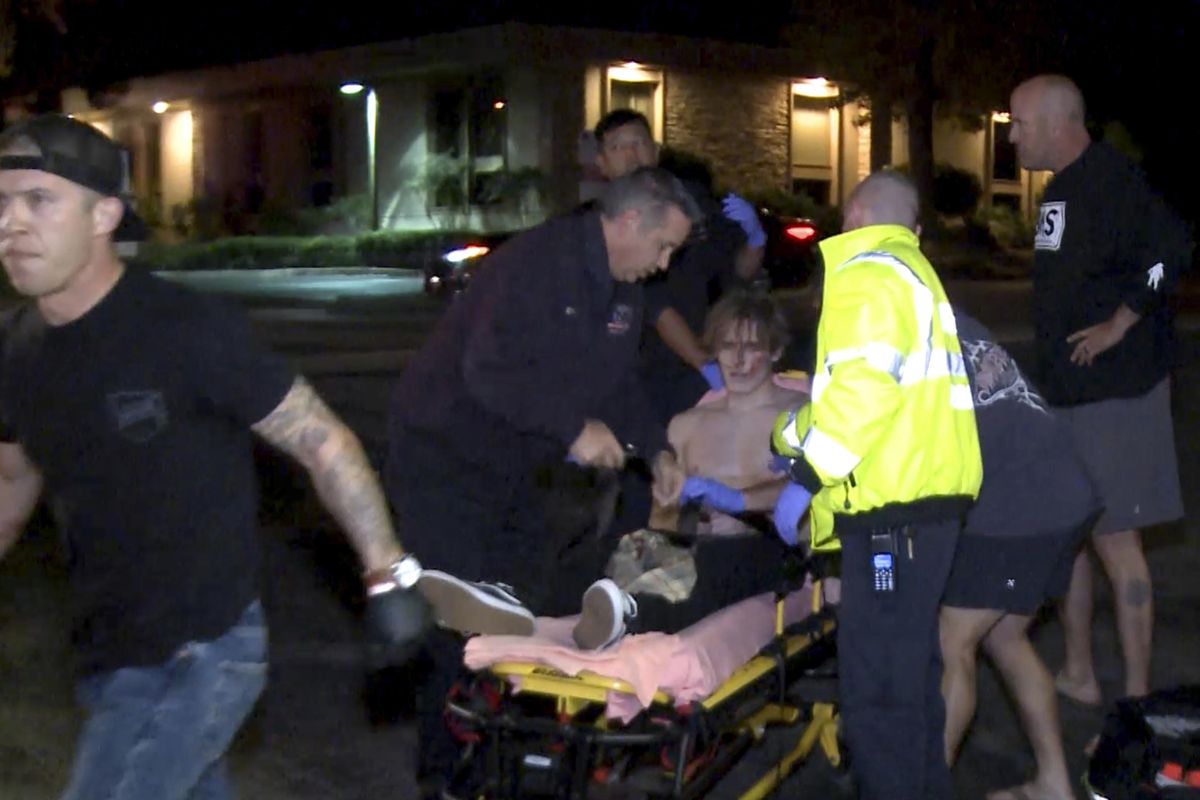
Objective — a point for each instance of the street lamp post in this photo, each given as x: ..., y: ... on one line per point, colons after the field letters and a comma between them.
x: 372, y: 164
x: 372, y: 122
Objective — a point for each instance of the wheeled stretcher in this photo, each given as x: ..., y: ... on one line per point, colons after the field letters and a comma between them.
x: 656, y: 715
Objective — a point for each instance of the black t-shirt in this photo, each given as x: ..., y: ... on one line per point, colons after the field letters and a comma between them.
x: 137, y: 415
x: 1033, y: 482
x: 699, y: 273
x: 1104, y: 239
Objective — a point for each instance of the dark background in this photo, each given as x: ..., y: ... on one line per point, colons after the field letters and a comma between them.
x: 1132, y: 58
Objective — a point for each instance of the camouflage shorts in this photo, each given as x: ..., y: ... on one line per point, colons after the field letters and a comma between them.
x: 648, y: 562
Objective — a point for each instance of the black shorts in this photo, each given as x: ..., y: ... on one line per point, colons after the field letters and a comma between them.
x: 1014, y: 574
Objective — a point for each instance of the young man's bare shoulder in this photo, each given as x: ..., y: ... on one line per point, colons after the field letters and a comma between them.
x: 687, y: 421
x: 783, y: 398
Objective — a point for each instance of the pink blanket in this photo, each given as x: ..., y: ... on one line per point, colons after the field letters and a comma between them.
x: 687, y: 666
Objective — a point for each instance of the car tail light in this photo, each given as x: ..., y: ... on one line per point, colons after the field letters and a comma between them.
x: 461, y: 254
x: 801, y: 232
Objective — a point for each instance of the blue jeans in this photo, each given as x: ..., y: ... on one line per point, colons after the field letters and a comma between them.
x: 160, y: 732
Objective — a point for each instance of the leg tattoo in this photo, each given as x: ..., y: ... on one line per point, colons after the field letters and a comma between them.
x: 1137, y: 592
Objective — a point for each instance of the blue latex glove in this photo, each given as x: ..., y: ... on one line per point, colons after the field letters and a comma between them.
x: 712, y: 373
x: 742, y: 212
x: 713, y: 494
x: 789, y: 508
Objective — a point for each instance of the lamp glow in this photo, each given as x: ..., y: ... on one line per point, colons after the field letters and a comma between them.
x: 350, y: 88
x: 815, y: 87
x: 160, y: 107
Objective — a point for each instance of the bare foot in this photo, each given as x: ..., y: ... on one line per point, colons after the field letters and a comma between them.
x: 1031, y: 791
x: 1086, y: 693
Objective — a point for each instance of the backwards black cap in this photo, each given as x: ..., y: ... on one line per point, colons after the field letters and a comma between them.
x: 78, y: 152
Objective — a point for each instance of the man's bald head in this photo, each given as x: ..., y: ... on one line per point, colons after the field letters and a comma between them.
x: 1056, y: 97
x: 1048, y: 122
x: 886, y: 197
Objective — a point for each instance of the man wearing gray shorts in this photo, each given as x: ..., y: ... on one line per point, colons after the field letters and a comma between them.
x: 1107, y: 255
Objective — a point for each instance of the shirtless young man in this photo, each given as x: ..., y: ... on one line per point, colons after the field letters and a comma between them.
x: 724, y: 446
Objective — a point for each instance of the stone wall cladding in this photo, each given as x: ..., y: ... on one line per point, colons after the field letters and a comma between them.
x: 741, y: 124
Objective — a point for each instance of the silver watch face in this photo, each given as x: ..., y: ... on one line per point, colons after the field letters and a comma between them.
x: 406, y: 571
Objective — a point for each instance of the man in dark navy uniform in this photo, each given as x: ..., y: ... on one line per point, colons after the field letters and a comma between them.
x: 676, y: 369
x: 533, y: 366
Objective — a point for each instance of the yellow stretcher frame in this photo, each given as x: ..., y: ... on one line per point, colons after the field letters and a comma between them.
x: 587, y: 690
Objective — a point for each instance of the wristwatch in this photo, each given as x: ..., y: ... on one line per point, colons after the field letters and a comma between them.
x: 402, y: 573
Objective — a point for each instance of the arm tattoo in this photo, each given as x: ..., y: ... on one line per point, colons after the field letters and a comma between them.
x: 304, y: 427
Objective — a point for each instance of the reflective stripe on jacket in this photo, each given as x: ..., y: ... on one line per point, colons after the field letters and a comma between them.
x: 891, y: 432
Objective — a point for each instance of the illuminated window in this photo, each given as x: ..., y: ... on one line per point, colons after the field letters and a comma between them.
x: 636, y: 96
x: 467, y: 141
x: 639, y: 89
x: 1004, y: 153
x: 814, y: 128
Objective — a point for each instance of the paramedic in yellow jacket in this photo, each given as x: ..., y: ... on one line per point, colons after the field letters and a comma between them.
x: 890, y: 452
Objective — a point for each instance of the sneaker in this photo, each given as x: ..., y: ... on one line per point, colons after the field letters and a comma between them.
x: 474, y: 607
x: 602, y: 620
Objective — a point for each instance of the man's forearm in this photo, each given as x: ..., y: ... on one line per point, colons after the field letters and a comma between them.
x: 20, y: 490
x: 304, y: 427
x: 350, y: 490
x: 749, y: 261
x: 1124, y: 318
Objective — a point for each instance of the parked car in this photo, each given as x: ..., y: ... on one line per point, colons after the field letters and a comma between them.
x: 451, y: 272
x: 791, y: 255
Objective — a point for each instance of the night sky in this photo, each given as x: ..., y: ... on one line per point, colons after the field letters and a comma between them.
x: 1135, y: 59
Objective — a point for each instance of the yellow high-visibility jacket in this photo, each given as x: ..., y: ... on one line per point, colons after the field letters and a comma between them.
x: 889, y: 437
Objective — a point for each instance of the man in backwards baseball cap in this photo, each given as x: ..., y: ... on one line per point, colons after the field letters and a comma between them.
x: 132, y: 402
x: 78, y: 152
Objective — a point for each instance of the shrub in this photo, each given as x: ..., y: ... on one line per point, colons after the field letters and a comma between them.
x: 956, y: 192
x: 687, y: 166
x: 328, y: 251
x: 237, y: 252
x: 411, y: 249
x: 1007, y: 225
x: 402, y: 249
x: 344, y: 216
